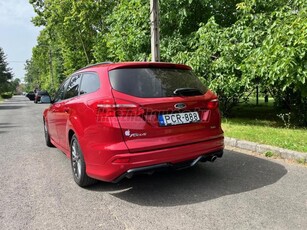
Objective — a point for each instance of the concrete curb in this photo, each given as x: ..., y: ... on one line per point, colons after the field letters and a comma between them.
x: 263, y: 149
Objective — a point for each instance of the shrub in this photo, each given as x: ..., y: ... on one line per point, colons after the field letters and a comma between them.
x: 6, y: 95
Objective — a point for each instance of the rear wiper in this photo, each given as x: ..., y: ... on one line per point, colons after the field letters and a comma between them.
x: 187, y: 92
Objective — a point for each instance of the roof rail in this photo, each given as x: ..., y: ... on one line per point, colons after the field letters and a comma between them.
x: 100, y: 63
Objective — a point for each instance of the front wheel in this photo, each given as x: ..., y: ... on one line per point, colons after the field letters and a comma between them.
x: 47, y: 137
x: 78, y: 164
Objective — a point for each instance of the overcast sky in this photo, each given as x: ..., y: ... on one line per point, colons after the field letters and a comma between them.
x: 17, y: 33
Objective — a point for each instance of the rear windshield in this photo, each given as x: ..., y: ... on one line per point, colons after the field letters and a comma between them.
x: 156, y: 82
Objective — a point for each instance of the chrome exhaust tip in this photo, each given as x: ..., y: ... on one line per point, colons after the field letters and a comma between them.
x: 213, y: 158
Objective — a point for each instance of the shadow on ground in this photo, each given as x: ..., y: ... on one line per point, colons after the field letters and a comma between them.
x: 4, y: 127
x: 6, y: 107
x: 234, y: 173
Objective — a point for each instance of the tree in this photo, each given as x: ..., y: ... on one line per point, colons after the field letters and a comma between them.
x: 233, y: 45
x: 280, y: 62
x: 77, y: 33
x: 5, y: 73
x: 128, y: 35
x: 71, y: 36
x: 266, y: 46
x: 15, y: 85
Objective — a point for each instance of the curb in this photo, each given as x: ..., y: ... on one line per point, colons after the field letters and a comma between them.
x: 265, y: 149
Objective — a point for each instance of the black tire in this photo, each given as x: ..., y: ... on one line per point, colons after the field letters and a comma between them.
x: 47, y: 137
x: 78, y: 164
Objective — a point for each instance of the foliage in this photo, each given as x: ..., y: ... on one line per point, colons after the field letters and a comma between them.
x: 178, y: 27
x: 266, y: 46
x: 5, y: 73
x: 217, y: 54
x: 77, y: 33
x: 260, y: 132
x: 233, y: 45
x: 269, y: 154
x: 66, y: 43
x: 128, y: 34
x: 261, y: 125
x: 6, y: 95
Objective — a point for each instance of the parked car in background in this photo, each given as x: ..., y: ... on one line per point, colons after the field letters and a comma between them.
x: 39, y: 94
x: 117, y: 120
x: 31, y: 95
x: 45, y: 99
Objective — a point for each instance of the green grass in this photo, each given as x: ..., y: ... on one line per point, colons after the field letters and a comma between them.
x: 262, y: 125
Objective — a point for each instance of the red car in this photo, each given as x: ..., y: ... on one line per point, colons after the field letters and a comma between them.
x: 115, y: 120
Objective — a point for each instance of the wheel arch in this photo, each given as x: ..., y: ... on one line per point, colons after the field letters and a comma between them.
x: 70, y: 135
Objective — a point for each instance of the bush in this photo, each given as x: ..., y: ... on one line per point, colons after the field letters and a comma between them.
x: 6, y: 95
x: 295, y: 102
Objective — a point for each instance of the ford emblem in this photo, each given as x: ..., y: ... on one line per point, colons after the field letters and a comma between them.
x: 180, y: 106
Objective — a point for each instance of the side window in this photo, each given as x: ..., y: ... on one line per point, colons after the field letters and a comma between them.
x: 90, y: 83
x: 61, y: 91
x: 73, y: 87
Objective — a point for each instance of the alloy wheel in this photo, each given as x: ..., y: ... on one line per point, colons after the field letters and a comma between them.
x: 76, y: 159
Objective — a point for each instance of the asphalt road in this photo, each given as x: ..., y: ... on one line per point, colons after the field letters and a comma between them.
x: 239, y: 191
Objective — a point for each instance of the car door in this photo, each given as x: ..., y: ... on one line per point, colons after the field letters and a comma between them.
x: 55, y: 111
x: 65, y: 109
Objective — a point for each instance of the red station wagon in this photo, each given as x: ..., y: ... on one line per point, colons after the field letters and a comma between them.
x: 115, y: 120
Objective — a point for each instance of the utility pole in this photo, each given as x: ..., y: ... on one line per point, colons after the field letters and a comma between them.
x: 154, y: 22
x: 51, y: 68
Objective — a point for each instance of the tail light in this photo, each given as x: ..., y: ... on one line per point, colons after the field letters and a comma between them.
x: 213, y: 104
x: 120, y: 108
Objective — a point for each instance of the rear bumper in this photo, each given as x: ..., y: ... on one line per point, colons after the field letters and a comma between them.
x: 126, y: 165
x: 164, y: 166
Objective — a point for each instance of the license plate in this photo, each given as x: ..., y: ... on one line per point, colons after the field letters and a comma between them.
x: 178, y: 118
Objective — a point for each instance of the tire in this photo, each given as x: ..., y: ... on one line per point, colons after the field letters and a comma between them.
x: 47, y: 137
x: 78, y: 164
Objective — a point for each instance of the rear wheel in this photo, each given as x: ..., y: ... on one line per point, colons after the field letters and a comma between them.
x: 78, y: 164
x: 47, y: 137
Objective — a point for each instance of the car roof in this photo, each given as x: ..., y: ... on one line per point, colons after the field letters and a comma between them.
x: 122, y: 65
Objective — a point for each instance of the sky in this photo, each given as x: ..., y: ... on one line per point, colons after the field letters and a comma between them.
x: 17, y: 33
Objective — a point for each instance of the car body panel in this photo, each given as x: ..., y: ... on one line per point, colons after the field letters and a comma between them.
x: 31, y: 95
x: 144, y: 133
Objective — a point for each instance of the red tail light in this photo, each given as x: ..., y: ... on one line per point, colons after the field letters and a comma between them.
x: 213, y: 104
x: 119, y: 109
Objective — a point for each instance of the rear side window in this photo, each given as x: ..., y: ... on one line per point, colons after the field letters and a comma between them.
x: 73, y: 87
x: 90, y: 83
x: 61, y: 91
x: 156, y: 82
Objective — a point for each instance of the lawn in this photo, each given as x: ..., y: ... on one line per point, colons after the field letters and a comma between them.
x: 260, y: 123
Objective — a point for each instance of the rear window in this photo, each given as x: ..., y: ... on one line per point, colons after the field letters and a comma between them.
x: 156, y: 82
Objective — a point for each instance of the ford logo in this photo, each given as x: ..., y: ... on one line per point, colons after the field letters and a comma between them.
x: 180, y: 106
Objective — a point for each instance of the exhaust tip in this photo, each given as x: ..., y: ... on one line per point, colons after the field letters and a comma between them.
x: 213, y: 158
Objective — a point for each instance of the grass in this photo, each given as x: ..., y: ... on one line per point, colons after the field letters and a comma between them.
x: 262, y: 125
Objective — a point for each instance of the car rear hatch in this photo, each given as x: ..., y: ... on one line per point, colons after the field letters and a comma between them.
x: 163, y: 106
